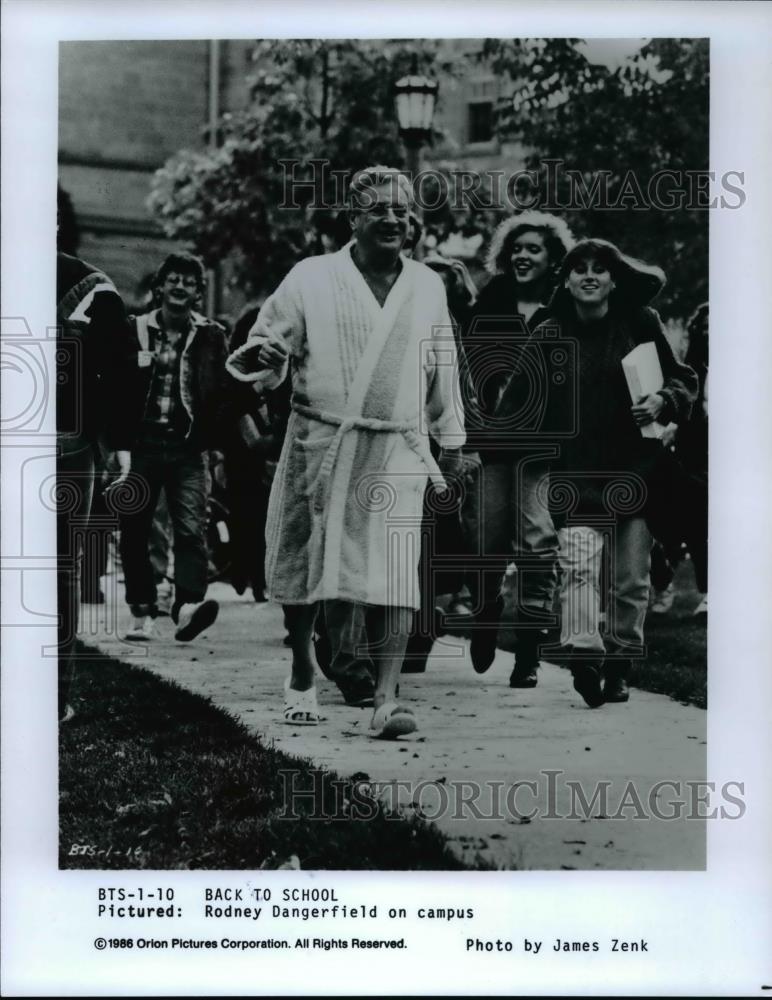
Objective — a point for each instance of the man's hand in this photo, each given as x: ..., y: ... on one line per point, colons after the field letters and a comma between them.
x: 647, y: 409
x: 274, y: 353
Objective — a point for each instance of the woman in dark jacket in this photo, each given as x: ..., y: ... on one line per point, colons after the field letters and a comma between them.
x: 524, y: 256
x: 602, y: 483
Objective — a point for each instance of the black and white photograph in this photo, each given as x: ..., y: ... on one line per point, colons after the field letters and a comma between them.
x: 478, y: 476
x: 357, y: 506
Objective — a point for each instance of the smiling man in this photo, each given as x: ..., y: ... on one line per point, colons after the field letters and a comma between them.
x: 179, y: 392
x: 366, y: 338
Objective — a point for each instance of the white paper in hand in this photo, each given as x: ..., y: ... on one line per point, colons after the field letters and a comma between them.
x: 644, y: 376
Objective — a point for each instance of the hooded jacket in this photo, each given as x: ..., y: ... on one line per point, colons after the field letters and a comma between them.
x: 493, y: 338
x: 603, y: 466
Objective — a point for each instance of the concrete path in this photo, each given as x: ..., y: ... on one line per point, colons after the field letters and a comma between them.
x: 477, y: 739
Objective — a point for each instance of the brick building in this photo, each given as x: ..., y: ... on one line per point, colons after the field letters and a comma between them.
x: 126, y: 106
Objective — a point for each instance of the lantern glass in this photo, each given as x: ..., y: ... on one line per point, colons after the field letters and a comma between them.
x: 416, y: 97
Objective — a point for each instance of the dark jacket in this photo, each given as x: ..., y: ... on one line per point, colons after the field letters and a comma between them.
x: 269, y: 410
x: 95, y: 354
x: 603, y: 464
x: 692, y: 438
x: 202, y: 384
x: 493, y: 338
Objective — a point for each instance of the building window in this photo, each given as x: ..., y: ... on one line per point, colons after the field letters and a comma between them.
x: 481, y: 120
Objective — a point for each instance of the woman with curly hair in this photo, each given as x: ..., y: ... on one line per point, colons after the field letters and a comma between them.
x: 604, y: 479
x: 524, y: 256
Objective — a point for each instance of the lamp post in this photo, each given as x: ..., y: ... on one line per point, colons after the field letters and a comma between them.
x: 415, y: 100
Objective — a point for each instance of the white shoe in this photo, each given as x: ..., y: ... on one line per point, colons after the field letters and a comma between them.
x: 702, y: 607
x: 662, y: 600
x: 300, y: 707
x: 194, y: 618
x: 143, y: 629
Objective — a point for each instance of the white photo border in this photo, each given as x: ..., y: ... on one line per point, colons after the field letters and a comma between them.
x: 713, y: 927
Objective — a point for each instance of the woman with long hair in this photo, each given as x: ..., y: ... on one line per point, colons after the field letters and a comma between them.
x: 524, y: 256
x: 603, y: 481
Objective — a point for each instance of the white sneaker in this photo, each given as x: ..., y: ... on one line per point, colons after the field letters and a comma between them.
x: 194, y: 618
x: 662, y: 600
x: 702, y: 607
x: 143, y: 629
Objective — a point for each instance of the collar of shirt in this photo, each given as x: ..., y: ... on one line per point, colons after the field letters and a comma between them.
x: 195, y: 320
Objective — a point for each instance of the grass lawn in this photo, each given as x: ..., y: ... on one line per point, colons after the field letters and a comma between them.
x: 153, y: 776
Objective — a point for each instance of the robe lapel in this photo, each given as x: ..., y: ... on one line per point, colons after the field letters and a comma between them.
x: 383, y: 320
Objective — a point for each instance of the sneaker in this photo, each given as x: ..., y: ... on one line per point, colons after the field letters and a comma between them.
x: 662, y: 600
x: 194, y: 618
x: 702, y: 607
x: 143, y: 629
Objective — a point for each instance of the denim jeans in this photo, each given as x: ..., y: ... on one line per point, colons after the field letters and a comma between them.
x: 516, y: 525
x: 160, y: 544
x: 183, y: 475
x: 581, y: 555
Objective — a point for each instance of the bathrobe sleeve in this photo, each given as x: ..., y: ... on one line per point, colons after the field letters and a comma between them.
x: 281, y: 317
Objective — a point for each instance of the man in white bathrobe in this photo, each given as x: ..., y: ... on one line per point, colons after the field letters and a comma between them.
x: 366, y: 338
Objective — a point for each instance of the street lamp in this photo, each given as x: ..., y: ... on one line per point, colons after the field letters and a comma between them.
x: 415, y: 99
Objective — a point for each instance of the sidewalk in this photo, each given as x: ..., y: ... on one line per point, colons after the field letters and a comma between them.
x: 472, y: 731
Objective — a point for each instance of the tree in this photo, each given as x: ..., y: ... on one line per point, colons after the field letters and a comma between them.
x: 312, y: 100
x: 618, y: 124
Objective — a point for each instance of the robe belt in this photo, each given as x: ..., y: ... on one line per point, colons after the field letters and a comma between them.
x: 346, y: 424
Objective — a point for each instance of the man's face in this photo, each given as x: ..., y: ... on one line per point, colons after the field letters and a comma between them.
x: 179, y: 292
x: 383, y: 224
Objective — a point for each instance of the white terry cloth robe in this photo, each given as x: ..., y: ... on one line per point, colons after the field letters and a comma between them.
x: 344, y: 516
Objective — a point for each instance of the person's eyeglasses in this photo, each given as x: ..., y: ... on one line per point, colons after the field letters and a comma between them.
x: 381, y: 211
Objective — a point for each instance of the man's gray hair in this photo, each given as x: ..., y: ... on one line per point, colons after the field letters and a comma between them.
x: 363, y: 182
